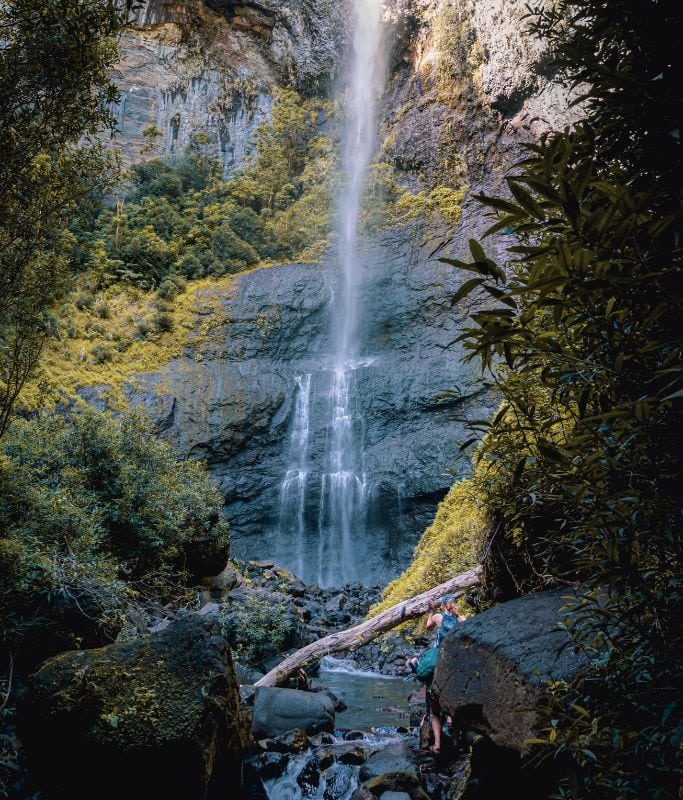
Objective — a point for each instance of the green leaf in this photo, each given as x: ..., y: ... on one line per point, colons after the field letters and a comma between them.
x: 525, y: 199
x: 466, y: 289
x: 477, y: 251
x: 517, y: 474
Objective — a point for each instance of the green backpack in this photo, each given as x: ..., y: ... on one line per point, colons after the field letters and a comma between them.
x: 424, y: 669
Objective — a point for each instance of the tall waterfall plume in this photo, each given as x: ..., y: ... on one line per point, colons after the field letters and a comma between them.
x: 340, y: 481
x: 344, y: 486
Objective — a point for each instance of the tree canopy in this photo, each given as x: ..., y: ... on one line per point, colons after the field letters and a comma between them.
x: 56, y: 61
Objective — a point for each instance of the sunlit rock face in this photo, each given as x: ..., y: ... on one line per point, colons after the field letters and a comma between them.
x: 211, y: 67
x: 469, y: 85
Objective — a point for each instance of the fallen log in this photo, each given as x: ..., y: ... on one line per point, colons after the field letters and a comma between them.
x: 353, y: 638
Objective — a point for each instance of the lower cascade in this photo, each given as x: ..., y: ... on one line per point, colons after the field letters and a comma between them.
x: 370, y: 733
x: 293, y: 489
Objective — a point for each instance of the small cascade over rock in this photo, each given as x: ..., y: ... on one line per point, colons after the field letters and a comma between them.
x: 293, y: 489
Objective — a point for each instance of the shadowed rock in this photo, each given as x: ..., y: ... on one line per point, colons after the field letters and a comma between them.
x: 156, y: 716
x: 279, y: 711
x: 491, y: 669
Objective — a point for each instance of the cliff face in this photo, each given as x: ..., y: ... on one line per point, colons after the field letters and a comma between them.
x: 466, y: 88
x: 211, y: 67
x: 231, y: 401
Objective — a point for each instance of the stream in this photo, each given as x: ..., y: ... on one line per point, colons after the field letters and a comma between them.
x: 371, y: 737
x: 373, y: 700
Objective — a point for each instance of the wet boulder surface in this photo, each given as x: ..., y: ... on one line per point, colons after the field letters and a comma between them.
x: 154, y: 716
x: 281, y: 711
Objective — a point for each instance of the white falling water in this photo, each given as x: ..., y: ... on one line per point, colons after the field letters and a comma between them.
x: 344, y: 486
x: 293, y: 488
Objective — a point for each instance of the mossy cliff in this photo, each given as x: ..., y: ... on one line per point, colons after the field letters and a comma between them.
x: 216, y: 365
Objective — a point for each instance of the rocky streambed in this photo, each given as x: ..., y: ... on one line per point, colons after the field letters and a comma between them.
x: 170, y: 708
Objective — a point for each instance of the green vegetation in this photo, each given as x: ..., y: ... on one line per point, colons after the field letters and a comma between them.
x: 450, y: 545
x: 95, y: 514
x: 257, y: 628
x: 181, y: 218
x: 56, y: 65
x: 106, y: 335
x: 457, y: 53
x: 580, y: 469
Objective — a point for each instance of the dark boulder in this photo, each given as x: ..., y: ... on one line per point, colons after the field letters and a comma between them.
x: 394, y: 757
x: 491, y: 670
x: 279, y: 711
x: 154, y: 716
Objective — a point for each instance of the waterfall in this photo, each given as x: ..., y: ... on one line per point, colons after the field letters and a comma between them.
x: 343, y: 484
x: 293, y: 488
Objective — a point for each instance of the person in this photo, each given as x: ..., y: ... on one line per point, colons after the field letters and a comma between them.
x: 440, y: 621
x: 449, y: 617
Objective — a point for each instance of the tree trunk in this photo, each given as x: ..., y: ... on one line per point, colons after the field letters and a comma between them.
x: 365, y: 632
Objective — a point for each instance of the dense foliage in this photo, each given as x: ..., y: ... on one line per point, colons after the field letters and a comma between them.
x: 581, y: 466
x: 95, y: 514
x: 257, y: 628
x: 450, y: 545
x: 57, y: 95
x: 182, y: 217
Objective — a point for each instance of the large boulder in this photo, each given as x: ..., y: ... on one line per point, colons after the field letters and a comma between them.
x: 492, y: 669
x: 279, y: 711
x: 155, y: 716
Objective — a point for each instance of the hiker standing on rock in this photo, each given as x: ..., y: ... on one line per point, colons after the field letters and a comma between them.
x: 424, y: 665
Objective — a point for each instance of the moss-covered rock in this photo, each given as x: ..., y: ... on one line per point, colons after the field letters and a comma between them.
x: 153, y: 717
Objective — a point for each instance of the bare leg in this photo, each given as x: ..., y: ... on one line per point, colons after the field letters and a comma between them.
x: 436, y: 723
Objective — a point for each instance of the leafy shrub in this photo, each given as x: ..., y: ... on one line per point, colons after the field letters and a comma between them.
x: 156, y: 179
x: 102, y: 310
x: 101, y: 353
x: 84, y: 300
x: 257, y: 628
x: 171, y: 287
x: 231, y: 251
x: 581, y: 466
x: 93, y: 512
x: 163, y: 322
